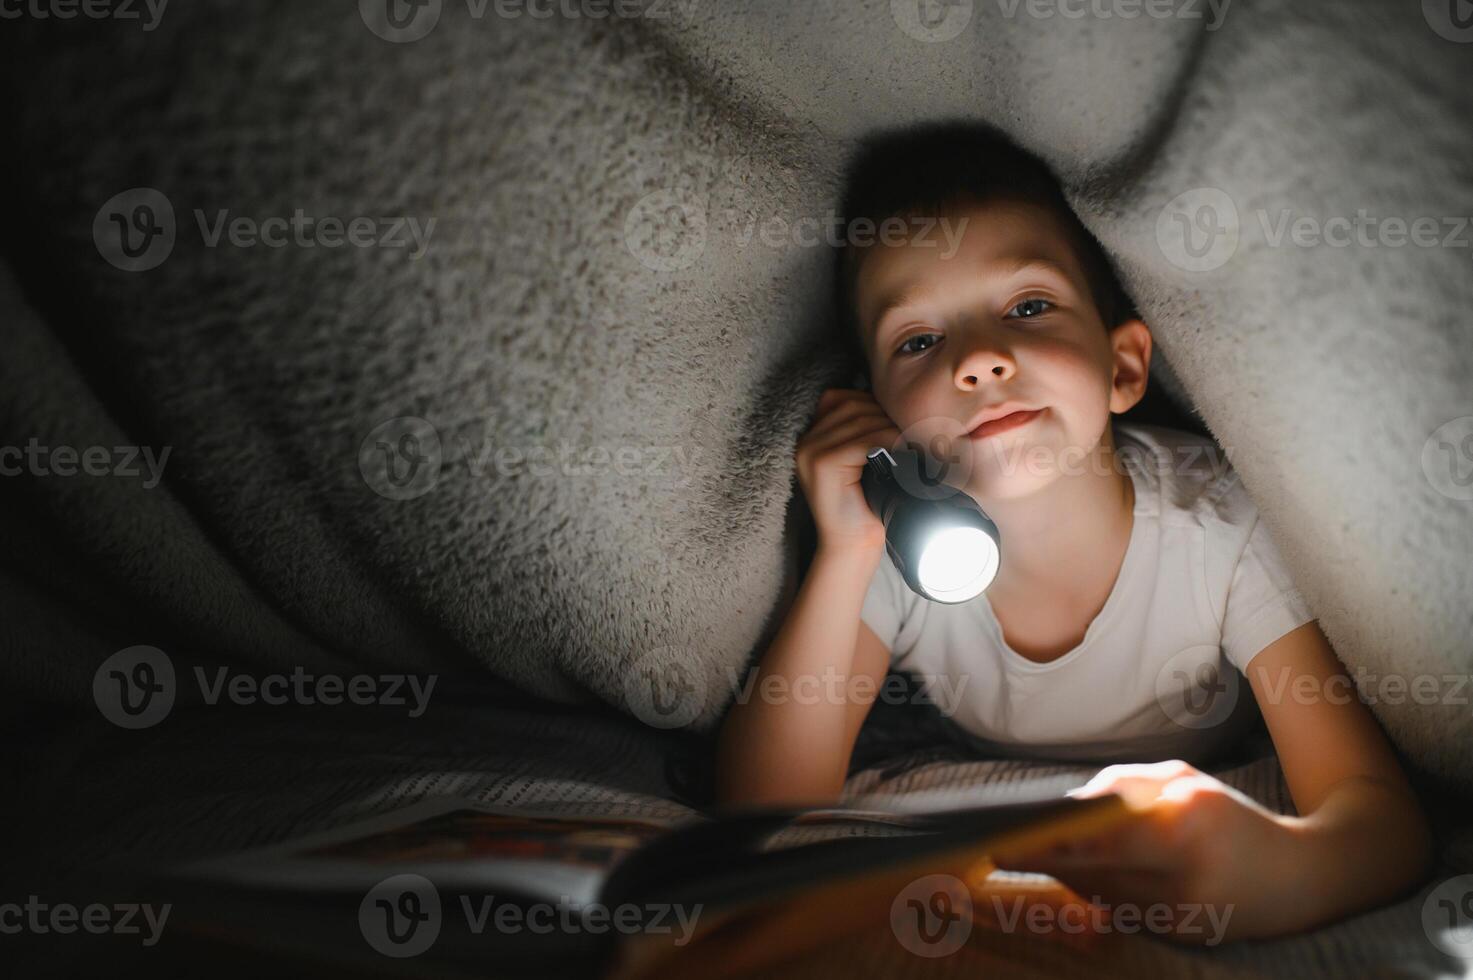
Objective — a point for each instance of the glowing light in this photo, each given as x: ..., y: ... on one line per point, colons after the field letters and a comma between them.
x: 957, y: 563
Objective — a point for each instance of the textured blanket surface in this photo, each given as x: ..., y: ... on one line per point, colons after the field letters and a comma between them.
x: 535, y: 412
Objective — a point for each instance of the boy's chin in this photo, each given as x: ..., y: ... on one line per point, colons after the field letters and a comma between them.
x: 988, y: 487
x: 1013, y: 471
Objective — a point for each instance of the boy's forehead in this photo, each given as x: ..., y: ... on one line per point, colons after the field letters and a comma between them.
x: 997, y: 240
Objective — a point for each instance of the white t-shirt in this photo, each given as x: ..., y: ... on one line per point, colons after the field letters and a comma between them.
x: 1201, y: 590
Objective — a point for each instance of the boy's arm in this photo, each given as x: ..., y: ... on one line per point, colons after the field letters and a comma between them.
x: 1361, y: 839
x: 791, y: 742
x: 1364, y: 833
x: 872, y: 662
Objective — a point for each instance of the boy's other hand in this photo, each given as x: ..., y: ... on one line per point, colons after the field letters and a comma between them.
x: 1218, y: 860
x: 831, y: 457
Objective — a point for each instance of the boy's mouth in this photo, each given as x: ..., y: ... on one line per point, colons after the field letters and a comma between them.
x: 1003, y: 423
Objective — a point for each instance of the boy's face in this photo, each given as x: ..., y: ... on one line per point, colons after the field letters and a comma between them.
x: 1005, y: 322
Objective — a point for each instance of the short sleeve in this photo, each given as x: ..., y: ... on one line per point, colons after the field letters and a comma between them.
x: 884, y: 606
x: 1262, y: 602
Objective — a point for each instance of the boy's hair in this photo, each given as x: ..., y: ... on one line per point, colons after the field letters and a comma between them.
x: 938, y: 168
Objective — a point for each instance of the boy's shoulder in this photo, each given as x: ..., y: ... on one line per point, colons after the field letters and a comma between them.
x: 1185, y: 478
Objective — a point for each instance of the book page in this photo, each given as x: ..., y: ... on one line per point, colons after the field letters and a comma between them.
x: 456, y: 843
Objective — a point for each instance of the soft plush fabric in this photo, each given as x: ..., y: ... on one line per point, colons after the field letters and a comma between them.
x: 594, y: 274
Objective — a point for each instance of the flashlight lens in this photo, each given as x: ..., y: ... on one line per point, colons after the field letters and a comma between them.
x: 957, y: 563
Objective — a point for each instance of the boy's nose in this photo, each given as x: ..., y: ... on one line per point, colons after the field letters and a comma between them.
x: 983, y: 359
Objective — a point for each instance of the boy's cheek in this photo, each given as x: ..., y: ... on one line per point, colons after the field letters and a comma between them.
x: 1076, y: 389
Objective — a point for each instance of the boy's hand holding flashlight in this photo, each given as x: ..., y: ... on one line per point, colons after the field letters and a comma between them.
x: 831, y: 459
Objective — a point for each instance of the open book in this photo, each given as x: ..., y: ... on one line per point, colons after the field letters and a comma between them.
x: 450, y: 885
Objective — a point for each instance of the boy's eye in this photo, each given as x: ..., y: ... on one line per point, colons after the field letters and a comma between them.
x: 1028, y: 309
x: 1034, y: 304
x: 909, y: 340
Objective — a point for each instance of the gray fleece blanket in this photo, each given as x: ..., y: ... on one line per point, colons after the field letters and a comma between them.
x: 462, y: 337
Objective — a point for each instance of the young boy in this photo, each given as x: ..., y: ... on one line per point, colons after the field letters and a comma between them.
x: 1137, y: 583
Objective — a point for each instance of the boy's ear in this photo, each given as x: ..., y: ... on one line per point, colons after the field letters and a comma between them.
x: 1130, y: 343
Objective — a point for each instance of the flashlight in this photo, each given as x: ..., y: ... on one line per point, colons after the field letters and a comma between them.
x: 940, y: 540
